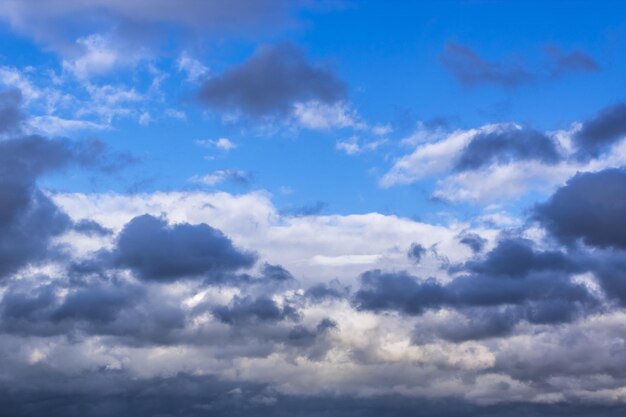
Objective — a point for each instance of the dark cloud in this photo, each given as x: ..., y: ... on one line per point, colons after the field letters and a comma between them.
x: 252, y: 310
x: 590, y: 207
x: 606, y: 128
x: 28, y: 218
x: 91, y: 228
x: 516, y: 258
x: 506, y: 146
x: 156, y: 251
x: 103, y: 393
x: 415, y: 253
x: 561, y: 63
x: 271, y: 272
x: 533, y: 286
x: 475, y: 242
x: 332, y: 290
x: 11, y: 115
x: 270, y: 82
x: 470, y: 69
x: 139, y: 24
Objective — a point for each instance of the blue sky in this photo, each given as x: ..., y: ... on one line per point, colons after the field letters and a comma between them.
x: 390, y: 59
x: 254, y: 207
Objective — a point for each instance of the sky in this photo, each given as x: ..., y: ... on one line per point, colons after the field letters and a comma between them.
x: 312, y: 208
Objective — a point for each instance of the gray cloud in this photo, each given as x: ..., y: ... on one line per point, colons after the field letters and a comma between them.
x: 57, y: 23
x: 153, y: 250
x: 252, y: 310
x: 607, y: 127
x: 561, y: 63
x: 416, y: 251
x: 470, y: 69
x: 507, y: 146
x: 270, y: 82
x: 475, y: 242
x: 590, y: 207
x: 10, y: 113
x: 28, y: 218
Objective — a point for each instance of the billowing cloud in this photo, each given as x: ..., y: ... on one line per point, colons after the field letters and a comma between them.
x: 590, y: 207
x: 156, y: 251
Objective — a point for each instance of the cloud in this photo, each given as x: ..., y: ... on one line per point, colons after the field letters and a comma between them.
x: 251, y: 310
x: 155, y: 251
x: 223, y: 144
x: 11, y: 115
x: 224, y: 175
x: 56, y: 23
x: 271, y: 82
x: 562, y: 63
x: 474, y: 241
x: 506, y: 145
x: 470, y: 69
x: 28, y: 218
x: 530, y: 285
x: 606, y: 128
x: 590, y: 207
x: 416, y: 251
x: 194, y: 69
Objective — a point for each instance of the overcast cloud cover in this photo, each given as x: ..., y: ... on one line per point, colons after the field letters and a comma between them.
x: 298, y: 208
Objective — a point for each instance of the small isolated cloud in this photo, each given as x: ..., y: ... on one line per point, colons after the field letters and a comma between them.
x: 353, y: 146
x: 223, y: 144
x: 321, y: 116
x: 272, y: 81
x: 236, y: 176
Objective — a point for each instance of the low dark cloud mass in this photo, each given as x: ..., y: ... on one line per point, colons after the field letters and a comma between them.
x: 607, y: 127
x: 156, y: 251
x: 471, y: 69
x: 590, y: 207
x: 507, y: 146
x: 271, y: 81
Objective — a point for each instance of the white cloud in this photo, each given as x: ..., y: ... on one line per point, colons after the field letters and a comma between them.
x: 53, y: 125
x: 98, y: 57
x: 353, y: 147
x: 222, y: 175
x: 320, y: 116
x: 223, y: 144
x: 193, y: 68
